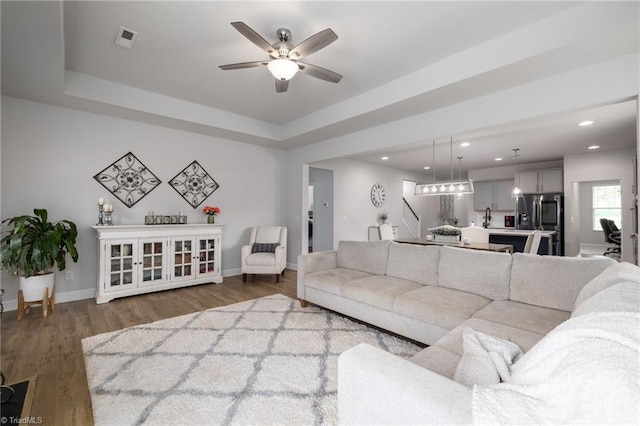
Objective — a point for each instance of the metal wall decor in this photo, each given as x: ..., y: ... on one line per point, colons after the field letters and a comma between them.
x: 128, y: 179
x: 194, y: 184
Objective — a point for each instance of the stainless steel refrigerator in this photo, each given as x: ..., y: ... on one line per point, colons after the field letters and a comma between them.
x: 544, y: 212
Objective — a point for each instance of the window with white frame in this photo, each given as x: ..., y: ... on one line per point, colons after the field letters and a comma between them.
x: 607, y: 204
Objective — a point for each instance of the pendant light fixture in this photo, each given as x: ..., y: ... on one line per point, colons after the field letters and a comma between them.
x: 445, y: 188
x: 517, y: 192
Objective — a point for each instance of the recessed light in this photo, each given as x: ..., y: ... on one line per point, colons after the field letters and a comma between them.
x: 426, y: 167
x: 384, y: 158
x: 585, y: 123
x: 594, y: 147
x: 497, y: 159
x: 465, y: 144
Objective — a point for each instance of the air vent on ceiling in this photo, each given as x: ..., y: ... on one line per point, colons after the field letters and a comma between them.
x: 126, y: 38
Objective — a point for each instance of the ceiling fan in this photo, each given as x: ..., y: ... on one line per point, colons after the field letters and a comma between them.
x: 284, y: 57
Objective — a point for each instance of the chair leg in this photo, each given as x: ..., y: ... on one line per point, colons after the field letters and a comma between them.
x: 244, y: 278
x: 277, y: 278
x: 282, y: 273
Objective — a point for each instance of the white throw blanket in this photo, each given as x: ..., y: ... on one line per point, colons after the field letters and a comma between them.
x: 486, y: 360
x: 584, y: 371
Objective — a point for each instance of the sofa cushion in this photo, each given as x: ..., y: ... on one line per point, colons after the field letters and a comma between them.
x: 378, y: 290
x: 552, y: 281
x: 261, y: 259
x: 622, y: 297
x: 444, y: 307
x: 452, y: 341
x: 479, y: 272
x: 521, y: 315
x: 414, y: 262
x: 331, y: 280
x: 367, y: 256
x: 486, y: 360
x: 438, y: 360
x: 612, y: 275
x: 584, y: 371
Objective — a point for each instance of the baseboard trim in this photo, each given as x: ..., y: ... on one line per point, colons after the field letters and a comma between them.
x: 89, y: 293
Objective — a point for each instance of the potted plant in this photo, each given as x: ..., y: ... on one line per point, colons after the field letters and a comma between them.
x: 446, y: 233
x: 33, y: 247
x: 383, y: 217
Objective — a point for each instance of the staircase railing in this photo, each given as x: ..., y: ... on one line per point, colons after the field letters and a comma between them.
x: 411, y: 219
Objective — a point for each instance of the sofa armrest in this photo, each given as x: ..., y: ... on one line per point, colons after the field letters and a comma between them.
x: 313, y: 262
x: 376, y: 387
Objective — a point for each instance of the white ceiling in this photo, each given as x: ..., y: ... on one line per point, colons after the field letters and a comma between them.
x: 398, y: 59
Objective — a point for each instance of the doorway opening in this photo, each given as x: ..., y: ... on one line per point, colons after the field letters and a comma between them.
x: 320, y: 210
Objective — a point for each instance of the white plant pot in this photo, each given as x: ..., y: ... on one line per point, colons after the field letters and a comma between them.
x: 33, y: 287
x: 447, y: 238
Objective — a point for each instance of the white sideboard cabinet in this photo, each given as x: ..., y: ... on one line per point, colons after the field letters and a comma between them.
x: 136, y: 259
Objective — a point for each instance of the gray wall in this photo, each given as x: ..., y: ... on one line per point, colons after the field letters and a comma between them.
x: 50, y: 155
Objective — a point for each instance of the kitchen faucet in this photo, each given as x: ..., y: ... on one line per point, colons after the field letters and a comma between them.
x: 487, y: 218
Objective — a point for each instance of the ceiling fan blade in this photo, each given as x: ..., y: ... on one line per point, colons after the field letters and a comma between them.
x: 313, y: 43
x: 282, y: 85
x: 319, y: 72
x: 242, y: 65
x: 253, y: 36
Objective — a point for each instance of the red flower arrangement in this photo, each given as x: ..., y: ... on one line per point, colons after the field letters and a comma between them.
x: 211, y: 210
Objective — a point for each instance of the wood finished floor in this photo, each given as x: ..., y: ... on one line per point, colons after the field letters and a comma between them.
x: 49, y: 349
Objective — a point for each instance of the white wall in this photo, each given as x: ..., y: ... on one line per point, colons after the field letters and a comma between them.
x: 593, y: 166
x: 50, y: 155
x: 353, y: 211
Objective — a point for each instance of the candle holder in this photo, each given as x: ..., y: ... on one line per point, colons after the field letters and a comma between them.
x: 107, y: 218
x: 100, y: 215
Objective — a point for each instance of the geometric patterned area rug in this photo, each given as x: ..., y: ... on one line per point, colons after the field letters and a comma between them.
x: 263, y: 361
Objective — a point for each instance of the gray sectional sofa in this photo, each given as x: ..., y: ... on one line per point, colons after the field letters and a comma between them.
x: 445, y: 297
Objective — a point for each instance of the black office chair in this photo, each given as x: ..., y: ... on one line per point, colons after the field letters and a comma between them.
x: 611, y: 236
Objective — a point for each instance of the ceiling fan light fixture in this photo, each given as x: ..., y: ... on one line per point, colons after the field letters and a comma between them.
x: 283, y: 69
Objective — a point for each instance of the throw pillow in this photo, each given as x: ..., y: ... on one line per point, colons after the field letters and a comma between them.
x: 486, y: 360
x: 264, y: 247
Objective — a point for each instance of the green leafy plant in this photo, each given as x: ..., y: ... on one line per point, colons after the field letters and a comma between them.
x: 35, y: 245
x: 446, y: 230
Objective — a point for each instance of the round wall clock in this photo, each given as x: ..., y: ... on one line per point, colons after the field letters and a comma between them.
x: 377, y: 195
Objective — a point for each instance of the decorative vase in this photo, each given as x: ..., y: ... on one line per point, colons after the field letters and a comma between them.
x: 33, y: 287
x: 211, y: 218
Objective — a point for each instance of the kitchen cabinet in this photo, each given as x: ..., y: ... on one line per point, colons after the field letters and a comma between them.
x: 540, y: 181
x: 493, y: 194
x: 139, y: 259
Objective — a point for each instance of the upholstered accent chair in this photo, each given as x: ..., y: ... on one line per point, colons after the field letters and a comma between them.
x: 475, y: 234
x: 266, y: 252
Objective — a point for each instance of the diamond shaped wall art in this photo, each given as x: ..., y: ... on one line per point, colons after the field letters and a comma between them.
x: 128, y: 179
x: 194, y: 184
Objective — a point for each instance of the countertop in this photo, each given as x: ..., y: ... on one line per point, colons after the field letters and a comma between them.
x: 517, y: 232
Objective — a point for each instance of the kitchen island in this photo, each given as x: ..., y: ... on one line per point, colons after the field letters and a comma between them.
x: 518, y: 237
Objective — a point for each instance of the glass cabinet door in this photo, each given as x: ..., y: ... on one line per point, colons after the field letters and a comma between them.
x: 207, y: 258
x: 120, y: 265
x: 152, y: 262
x: 183, y: 253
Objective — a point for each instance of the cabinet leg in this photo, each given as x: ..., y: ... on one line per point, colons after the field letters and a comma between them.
x: 304, y: 303
x: 20, y: 305
x: 244, y: 278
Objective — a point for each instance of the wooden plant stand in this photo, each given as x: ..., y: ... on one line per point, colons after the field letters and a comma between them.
x: 48, y: 303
